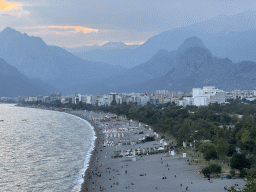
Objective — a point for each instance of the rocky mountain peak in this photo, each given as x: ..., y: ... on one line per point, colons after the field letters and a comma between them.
x: 191, y: 43
x: 9, y: 31
x: 114, y: 45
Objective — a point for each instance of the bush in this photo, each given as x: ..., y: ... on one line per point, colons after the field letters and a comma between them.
x: 229, y: 176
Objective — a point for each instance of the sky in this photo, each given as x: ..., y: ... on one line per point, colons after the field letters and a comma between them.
x: 75, y: 23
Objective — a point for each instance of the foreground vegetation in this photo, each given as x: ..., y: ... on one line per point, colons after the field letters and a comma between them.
x: 223, y: 133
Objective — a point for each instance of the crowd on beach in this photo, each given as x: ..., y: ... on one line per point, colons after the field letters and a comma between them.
x: 161, y: 171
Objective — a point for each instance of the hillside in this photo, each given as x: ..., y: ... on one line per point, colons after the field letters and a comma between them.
x: 54, y: 65
x: 13, y: 83
x: 225, y: 36
x: 192, y: 65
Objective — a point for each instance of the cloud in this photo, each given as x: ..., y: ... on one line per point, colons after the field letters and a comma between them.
x: 5, y: 6
x: 135, y: 43
x: 76, y: 28
x: 12, y: 9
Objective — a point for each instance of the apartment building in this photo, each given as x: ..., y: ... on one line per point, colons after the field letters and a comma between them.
x: 207, y: 95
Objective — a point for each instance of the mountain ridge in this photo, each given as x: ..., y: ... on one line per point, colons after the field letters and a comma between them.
x: 219, y: 34
x: 14, y: 84
x: 191, y: 65
x: 52, y: 64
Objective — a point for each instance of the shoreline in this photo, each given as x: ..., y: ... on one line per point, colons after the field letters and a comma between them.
x: 94, y: 128
x: 93, y: 155
x: 148, y: 172
x: 93, y: 152
x: 170, y: 173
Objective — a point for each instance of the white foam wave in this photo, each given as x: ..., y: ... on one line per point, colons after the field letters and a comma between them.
x: 79, y: 180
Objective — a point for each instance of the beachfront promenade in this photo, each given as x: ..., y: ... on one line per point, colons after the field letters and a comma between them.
x: 156, y: 172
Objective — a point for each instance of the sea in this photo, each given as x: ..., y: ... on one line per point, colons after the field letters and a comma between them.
x: 43, y: 150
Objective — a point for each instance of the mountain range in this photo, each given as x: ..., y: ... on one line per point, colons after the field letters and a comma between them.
x: 13, y: 83
x: 51, y: 64
x: 168, y: 60
x: 225, y: 36
x: 106, y: 46
x: 191, y: 65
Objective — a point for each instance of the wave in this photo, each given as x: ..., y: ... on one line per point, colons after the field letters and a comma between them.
x: 79, y: 180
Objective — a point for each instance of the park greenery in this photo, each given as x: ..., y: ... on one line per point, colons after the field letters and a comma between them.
x: 225, y: 132
x: 211, y: 169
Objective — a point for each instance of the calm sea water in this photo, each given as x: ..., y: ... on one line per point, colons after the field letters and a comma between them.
x: 42, y: 150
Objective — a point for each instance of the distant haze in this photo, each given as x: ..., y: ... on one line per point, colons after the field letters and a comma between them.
x: 78, y: 23
x: 171, y: 60
x: 103, y: 46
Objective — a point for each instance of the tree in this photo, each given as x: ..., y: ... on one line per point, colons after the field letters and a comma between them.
x: 248, y: 138
x: 231, y: 150
x: 239, y: 161
x: 206, y: 171
x: 113, y: 103
x: 215, y: 168
x: 251, y: 181
x: 209, y: 151
x: 210, y: 154
x: 222, y: 148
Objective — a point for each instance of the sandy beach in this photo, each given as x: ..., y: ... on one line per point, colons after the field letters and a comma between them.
x: 155, y: 172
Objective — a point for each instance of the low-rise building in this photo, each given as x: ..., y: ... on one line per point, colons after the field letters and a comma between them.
x: 185, y: 101
x: 32, y: 98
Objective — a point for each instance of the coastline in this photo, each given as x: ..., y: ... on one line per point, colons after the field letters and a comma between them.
x: 148, y: 173
x: 160, y: 171
x: 96, y: 130
x: 93, y: 154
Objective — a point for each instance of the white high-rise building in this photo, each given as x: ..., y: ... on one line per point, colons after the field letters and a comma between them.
x: 162, y: 92
x: 89, y: 99
x: 76, y: 98
x: 207, y: 95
